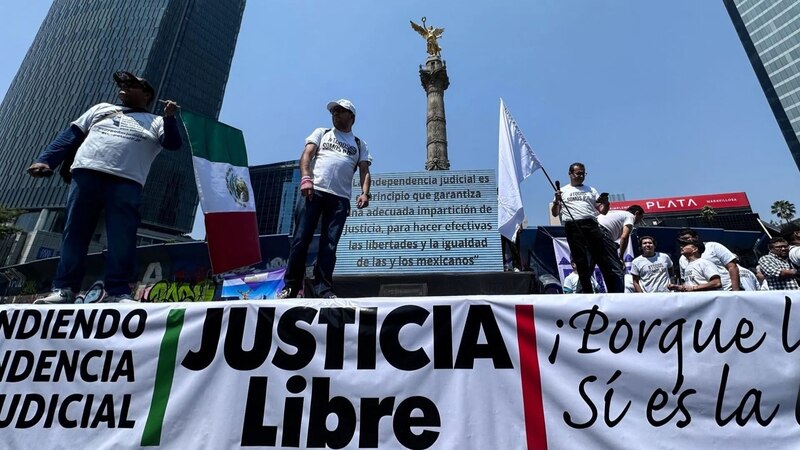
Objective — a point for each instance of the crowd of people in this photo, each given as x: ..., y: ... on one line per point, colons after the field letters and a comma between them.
x: 599, y: 236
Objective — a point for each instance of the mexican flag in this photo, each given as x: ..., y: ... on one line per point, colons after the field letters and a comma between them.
x: 226, y: 196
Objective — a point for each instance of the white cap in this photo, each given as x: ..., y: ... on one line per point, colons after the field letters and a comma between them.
x: 344, y: 103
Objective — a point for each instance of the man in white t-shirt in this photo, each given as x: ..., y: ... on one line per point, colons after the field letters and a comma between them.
x: 572, y: 284
x: 327, y: 165
x: 651, y: 270
x: 579, y: 205
x: 618, y: 226
x: 700, y: 274
x: 725, y: 260
x: 113, y: 147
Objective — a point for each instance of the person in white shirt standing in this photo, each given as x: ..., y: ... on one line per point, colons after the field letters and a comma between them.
x: 327, y: 165
x: 651, y: 271
x: 618, y: 226
x: 105, y: 155
x: 579, y: 206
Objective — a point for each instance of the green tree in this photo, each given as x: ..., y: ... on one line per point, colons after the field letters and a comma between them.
x: 7, y: 217
x: 784, y: 209
x: 708, y: 213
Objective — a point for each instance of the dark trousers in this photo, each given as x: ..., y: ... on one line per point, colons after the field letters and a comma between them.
x: 511, y: 257
x: 333, y: 210
x: 91, y: 192
x: 589, y: 247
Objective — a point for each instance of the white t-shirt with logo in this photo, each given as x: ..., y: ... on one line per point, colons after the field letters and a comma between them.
x: 748, y: 280
x: 122, y: 144
x: 580, y: 201
x: 719, y: 255
x: 615, y: 221
x: 653, y: 272
x: 699, y: 271
x: 336, y: 160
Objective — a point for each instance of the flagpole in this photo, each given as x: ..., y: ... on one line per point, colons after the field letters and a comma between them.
x: 548, y: 179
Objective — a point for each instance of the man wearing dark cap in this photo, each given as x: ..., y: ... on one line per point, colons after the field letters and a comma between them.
x: 113, y: 148
x: 700, y: 274
x: 727, y: 262
x: 327, y: 165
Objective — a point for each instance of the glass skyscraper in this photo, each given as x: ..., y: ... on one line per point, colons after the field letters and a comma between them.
x: 770, y: 33
x: 183, y: 48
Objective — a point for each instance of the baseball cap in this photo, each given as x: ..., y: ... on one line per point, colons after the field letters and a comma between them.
x: 701, y: 248
x: 127, y: 77
x: 344, y: 103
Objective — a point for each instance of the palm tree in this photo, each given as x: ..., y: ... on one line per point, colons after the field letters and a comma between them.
x: 708, y: 213
x: 784, y: 209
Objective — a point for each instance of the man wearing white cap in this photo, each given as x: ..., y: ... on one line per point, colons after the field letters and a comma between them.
x: 329, y: 160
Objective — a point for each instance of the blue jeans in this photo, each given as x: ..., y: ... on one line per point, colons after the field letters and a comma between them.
x: 90, y: 192
x: 334, y: 211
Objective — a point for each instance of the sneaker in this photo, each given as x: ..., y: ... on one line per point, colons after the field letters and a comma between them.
x: 56, y: 297
x: 287, y: 292
x: 121, y: 298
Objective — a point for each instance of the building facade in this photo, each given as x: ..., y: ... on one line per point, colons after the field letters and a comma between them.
x: 729, y: 211
x: 183, y: 47
x: 770, y: 33
x: 276, y: 190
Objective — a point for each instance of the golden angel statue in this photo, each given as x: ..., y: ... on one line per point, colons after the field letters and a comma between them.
x: 431, y: 35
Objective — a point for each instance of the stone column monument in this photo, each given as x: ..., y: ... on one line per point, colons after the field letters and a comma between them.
x: 434, y: 80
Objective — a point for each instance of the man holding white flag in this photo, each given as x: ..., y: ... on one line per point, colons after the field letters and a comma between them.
x: 516, y: 161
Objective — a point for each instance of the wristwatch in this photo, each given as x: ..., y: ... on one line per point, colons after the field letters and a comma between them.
x: 368, y: 195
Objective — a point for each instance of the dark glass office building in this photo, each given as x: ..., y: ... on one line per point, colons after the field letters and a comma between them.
x: 770, y: 33
x: 276, y: 190
x: 183, y: 47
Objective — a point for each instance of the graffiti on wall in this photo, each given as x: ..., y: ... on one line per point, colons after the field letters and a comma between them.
x: 191, y: 286
x: 176, y: 291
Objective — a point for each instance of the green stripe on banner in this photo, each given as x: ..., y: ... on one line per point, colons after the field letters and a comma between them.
x: 151, y: 436
x: 215, y: 141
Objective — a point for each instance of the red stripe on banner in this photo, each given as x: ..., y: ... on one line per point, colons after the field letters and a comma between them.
x: 531, y: 381
x: 232, y: 240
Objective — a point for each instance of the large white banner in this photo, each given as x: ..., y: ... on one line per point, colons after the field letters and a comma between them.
x: 581, y: 371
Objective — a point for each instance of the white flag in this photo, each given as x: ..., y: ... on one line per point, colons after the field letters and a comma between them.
x: 516, y: 161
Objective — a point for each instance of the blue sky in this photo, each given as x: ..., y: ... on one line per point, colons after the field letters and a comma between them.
x: 657, y: 98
